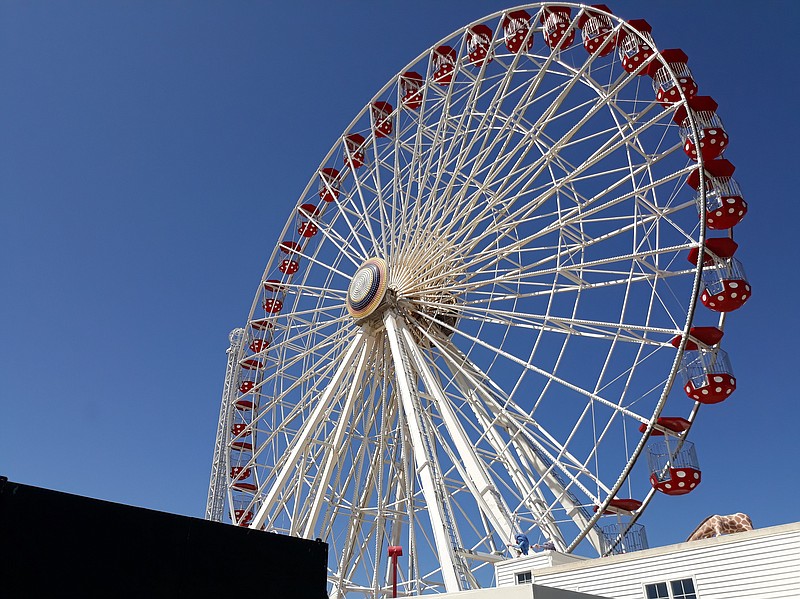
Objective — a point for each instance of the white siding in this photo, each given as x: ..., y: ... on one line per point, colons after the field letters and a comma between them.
x: 506, y: 573
x: 760, y: 564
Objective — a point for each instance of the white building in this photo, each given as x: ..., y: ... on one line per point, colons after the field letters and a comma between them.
x: 762, y: 563
x: 758, y: 564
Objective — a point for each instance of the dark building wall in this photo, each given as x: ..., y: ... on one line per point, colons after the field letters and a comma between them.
x: 57, y: 544
x: 542, y: 592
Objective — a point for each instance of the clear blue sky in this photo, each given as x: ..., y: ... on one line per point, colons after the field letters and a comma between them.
x: 150, y: 153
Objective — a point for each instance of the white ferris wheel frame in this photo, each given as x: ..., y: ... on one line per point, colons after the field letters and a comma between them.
x: 393, y: 345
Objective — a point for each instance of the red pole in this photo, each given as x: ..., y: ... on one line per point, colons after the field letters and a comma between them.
x: 395, y: 551
x: 394, y: 576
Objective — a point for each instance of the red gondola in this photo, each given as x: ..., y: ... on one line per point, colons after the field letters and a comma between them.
x: 444, y: 64
x: 382, y: 118
x: 306, y: 214
x: 707, y: 336
x: 242, y: 517
x: 725, y: 206
x: 621, y: 506
x: 673, y: 471
x: 663, y: 82
x: 259, y: 345
x: 239, y: 429
x: 479, y: 45
x: 411, y: 90
x: 556, y: 21
x: 329, y: 182
x: 516, y: 27
x: 726, y: 287
x: 634, y: 50
x: 596, y: 27
x: 672, y: 424
x: 354, y: 150
x: 712, y: 136
x: 252, y: 364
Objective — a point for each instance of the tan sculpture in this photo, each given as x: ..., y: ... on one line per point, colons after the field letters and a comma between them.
x: 716, y: 525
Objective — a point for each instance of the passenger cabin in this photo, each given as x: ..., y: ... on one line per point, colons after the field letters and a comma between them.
x: 354, y: 150
x: 707, y: 375
x: 242, y: 517
x: 705, y: 368
x: 621, y: 506
x: 674, y: 469
x: 669, y: 77
x: 444, y: 64
x: 712, y: 136
x: 258, y: 345
x: 329, y: 182
x: 239, y: 429
x: 557, y: 27
x: 634, y: 50
x: 725, y: 284
x: 251, y: 364
x: 411, y: 90
x: 289, y: 265
x: 306, y: 214
x: 381, y: 118
x: 596, y: 27
x: 517, y: 27
x: 725, y: 206
x: 261, y: 324
x: 479, y: 45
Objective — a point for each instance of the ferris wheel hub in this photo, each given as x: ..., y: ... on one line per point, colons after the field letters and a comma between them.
x: 367, y: 288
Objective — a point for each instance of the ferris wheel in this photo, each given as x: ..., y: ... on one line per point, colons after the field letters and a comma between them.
x: 474, y: 316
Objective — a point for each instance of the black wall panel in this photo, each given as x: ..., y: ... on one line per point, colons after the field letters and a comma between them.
x: 57, y: 544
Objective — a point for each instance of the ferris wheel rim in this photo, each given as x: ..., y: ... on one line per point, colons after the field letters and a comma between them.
x: 697, y: 271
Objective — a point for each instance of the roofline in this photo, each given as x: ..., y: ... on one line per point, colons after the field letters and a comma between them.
x: 666, y: 549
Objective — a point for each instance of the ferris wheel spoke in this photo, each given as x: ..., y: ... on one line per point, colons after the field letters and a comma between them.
x: 533, y: 469
x: 353, y: 477
x: 349, y: 213
x: 573, y: 173
x: 575, y: 272
x: 304, y: 290
x: 498, y: 166
x: 528, y: 366
x: 486, y: 255
x: 333, y: 457
x: 473, y: 471
x: 341, y: 244
x: 359, y: 206
x: 579, y: 212
x: 324, y: 352
x: 621, y: 331
x: 381, y: 195
x: 531, y: 496
x: 487, y: 262
x: 366, y: 529
x: 496, y: 101
x: 436, y: 498
x: 461, y: 144
x: 542, y: 442
x: 309, y: 427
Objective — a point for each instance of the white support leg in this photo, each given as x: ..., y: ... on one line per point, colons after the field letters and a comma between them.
x: 333, y: 458
x: 299, y: 444
x: 432, y: 486
x: 472, y: 469
x: 527, y: 456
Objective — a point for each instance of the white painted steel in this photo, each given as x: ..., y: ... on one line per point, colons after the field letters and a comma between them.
x: 217, y: 487
x: 534, y: 222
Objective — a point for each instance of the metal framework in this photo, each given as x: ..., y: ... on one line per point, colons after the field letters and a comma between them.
x: 532, y: 217
x: 217, y: 487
